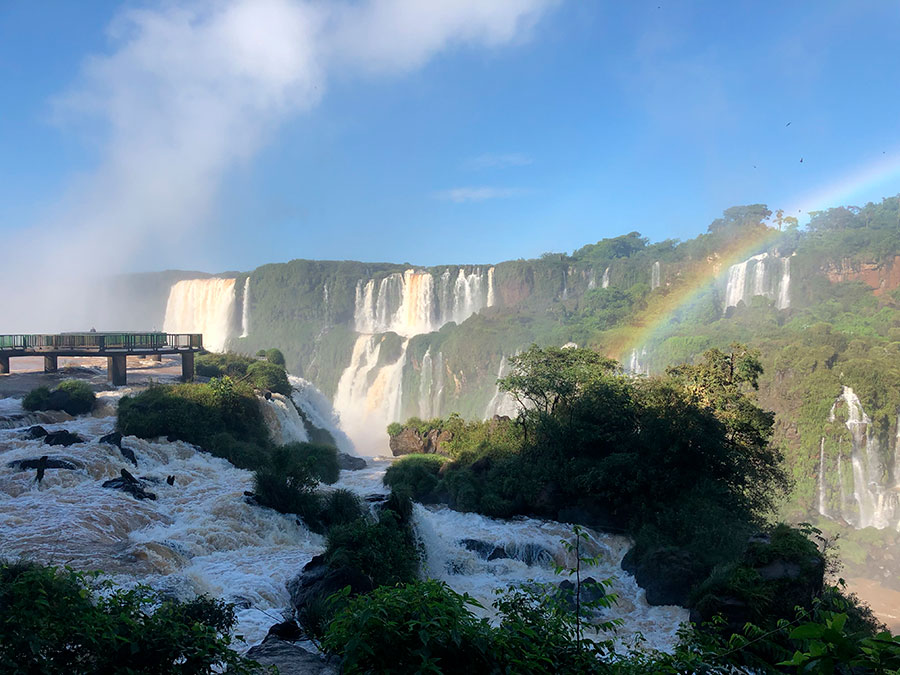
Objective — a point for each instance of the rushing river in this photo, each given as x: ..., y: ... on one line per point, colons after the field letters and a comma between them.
x: 201, y: 536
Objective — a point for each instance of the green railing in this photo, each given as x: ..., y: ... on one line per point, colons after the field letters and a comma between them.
x: 102, y: 341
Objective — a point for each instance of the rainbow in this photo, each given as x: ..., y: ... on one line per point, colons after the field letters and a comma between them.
x: 664, y: 305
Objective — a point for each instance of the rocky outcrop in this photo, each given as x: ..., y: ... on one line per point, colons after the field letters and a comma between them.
x: 666, y: 575
x: 412, y: 442
x: 113, y: 438
x: 317, y: 581
x: 36, y: 432
x: 880, y: 276
x: 49, y: 463
x: 349, y: 462
x: 528, y: 553
x: 62, y: 437
x: 292, y: 659
x: 128, y: 483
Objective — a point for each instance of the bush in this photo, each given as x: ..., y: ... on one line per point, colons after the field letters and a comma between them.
x: 416, y: 475
x: 196, y: 413
x: 72, y: 396
x: 416, y: 628
x: 286, y: 485
x: 209, y: 364
x: 53, y: 622
x: 275, y: 356
x: 394, y: 429
x: 340, y: 507
x: 266, y: 375
x: 320, y: 460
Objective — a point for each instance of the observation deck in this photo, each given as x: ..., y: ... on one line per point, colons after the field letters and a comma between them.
x: 114, y: 346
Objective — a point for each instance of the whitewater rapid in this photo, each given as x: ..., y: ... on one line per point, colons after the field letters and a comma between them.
x: 202, y: 536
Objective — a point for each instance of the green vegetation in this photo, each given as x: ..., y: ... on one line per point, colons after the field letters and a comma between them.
x: 57, y: 621
x: 269, y: 374
x: 72, y: 396
x: 417, y: 476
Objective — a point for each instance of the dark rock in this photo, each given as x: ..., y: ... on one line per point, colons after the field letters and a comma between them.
x: 407, y: 442
x: 318, y: 581
x: 114, y: 438
x: 350, y: 463
x: 376, y: 499
x: 62, y: 437
x: 288, y: 631
x: 591, y: 591
x: 528, y: 553
x: 128, y: 483
x: 128, y: 454
x: 170, y: 480
x: 51, y: 463
x: 292, y: 659
x: 666, y: 574
x: 36, y: 431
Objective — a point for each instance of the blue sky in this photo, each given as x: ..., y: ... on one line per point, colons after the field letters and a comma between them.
x: 476, y: 143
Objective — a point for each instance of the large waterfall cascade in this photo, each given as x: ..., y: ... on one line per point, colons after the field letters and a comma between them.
x: 202, y: 306
x: 415, y: 302
x: 764, y: 274
x: 872, y: 498
x: 370, y: 393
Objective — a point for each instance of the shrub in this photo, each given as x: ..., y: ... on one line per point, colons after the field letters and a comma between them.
x: 340, y: 507
x: 320, y: 460
x: 72, y: 396
x: 416, y: 475
x: 275, y: 356
x: 394, y: 429
x: 266, y: 375
x: 53, y: 623
x: 209, y: 364
x: 286, y: 485
x: 416, y: 628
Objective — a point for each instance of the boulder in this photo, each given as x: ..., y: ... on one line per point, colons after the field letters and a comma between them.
x: 128, y: 483
x: 292, y: 659
x: 591, y: 591
x: 666, y: 574
x: 528, y: 553
x: 128, y: 454
x: 113, y: 438
x: 36, y: 431
x: 350, y: 463
x: 407, y: 442
x: 62, y: 437
x: 318, y: 580
x: 286, y: 630
x: 51, y: 463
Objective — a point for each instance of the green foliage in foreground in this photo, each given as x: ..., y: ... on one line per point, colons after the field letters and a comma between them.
x: 427, y: 627
x: 72, y: 396
x: 56, y: 621
x: 416, y: 475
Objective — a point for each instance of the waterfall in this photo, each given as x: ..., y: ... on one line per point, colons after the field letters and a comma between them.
x: 245, y: 311
x: 822, y: 508
x: 744, y: 282
x: 411, y: 303
x: 501, y: 403
x: 202, y: 306
x: 874, y: 501
x: 318, y: 411
x: 605, y: 281
x: 654, y: 276
x: 431, y: 385
x: 592, y: 280
x: 284, y: 422
x: 369, y: 395
x: 784, y: 297
x: 637, y: 363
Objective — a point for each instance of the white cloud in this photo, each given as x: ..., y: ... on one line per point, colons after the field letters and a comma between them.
x: 461, y: 195
x: 188, y: 92
x: 499, y: 160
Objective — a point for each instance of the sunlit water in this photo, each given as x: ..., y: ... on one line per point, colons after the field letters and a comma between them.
x: 201, y: 536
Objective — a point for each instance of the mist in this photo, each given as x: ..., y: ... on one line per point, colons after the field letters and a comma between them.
x: 186, y: 94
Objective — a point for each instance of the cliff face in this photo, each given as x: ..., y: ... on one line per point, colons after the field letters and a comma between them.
x: 881, y: 277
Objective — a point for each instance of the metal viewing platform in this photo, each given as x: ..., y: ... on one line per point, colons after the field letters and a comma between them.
x: 114, y: 346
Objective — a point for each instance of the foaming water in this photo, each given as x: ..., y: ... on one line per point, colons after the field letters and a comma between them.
x: 199, y: 536
x: 443, y: 532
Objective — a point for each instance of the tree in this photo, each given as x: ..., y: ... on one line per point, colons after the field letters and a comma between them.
x: 749, y: 216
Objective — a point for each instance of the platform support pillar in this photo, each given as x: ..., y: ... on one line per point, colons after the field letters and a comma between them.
x: 156, y: 357
x: 187, y: 366
x: 116, y: 370
x: 4, y: 365
x: 51, y: 364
